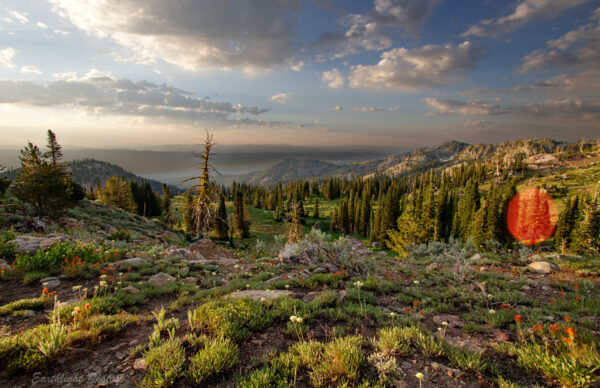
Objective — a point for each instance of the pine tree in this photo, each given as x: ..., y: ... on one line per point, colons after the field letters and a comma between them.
x: 165, y: 203
x: 42, y: 184
x: 316, y: 210
x: 54, y: 152
x: 241, y: 217
x: 478, y: 227
x: 221, y: 227
x: 587, y: 232
x: 189, y: 224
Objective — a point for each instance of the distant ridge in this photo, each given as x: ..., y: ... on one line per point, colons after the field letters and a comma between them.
x: 89, y: 172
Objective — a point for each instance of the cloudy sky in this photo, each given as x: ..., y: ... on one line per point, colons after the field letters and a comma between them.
x: 124, y: 73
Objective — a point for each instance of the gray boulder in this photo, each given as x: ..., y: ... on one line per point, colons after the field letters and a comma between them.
x: 543, y: 267
x: 258, y: 295
x: 51, y: 282
x: 161, y: 279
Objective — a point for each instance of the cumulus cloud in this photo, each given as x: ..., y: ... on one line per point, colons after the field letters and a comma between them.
x: 525, y: 12
x: 455, y: 107
x: 190, y: 34
x: 6, y: 55
x: 371, y: 31
x: 99, y: 93
x: 578, y: 49
x: 281, y: 98
x: 339, y: 108
x: 30, y: 69
x: 333, y: 78
x: 41, y: 25
x: 408, y: 70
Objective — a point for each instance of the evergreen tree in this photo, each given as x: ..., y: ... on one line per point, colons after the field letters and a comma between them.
x: 587, y: 232
x: 316, y: 210
x: 117, y: 192
x: 221, y: 227
x: 241, y: 217
x: 54, y: 153
x: 189, y: 224
x: 42, y: 184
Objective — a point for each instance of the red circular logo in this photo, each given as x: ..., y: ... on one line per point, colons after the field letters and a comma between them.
x: 532, y: 216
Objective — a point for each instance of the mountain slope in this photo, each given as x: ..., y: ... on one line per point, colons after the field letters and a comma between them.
x: 89, y: 172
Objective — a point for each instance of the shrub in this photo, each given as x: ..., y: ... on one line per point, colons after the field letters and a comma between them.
x: 233, y: 318
x: 217, y: 356
x: 120, y: 235
x: 52, y: 259
x: 165, y: 364
x: 23, y: 304
x: 394, y: 340
x: 340, y: 362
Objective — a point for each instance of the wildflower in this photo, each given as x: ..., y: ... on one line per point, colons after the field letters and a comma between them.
x: 420, y: 376
x: 299, y: 320
x: 358, y: 284
x: 492, y: 311
x: 562, y: 292
x: 103, y: 276
x: 392, y: 314
x: 554, y: 328
x: 416, y: 282
x: 553, y: 300
x: 490, y: 296
x: 444, y: 323
x: 570, y: 332
x: 75, y: 288
x: 518, y: 319
x: 406, y: 309
x: 415, y: 303
x: 577, y: 298
x: 102, y: 283
x: 262, y: 299
x: 87, y: 306
x: 287, y: 286
x: 45, y: 290
x: 567, y: 318
x: 236, y: 266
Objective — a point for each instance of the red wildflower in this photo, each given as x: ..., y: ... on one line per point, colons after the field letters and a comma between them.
x: 554, y: 328
x: 406, y: 309
x: 577, y: 298
x: 570, y: 332
x: 553, y: 300
x: 518, y: 318
x: 45, y: 290
x: 567, y: 318
x: 415, y: 303
x: 576, y: 286
x: 562, y: 292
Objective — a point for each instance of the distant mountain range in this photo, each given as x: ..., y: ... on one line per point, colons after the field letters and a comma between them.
x: 89, y: 172
x: 444, y: 155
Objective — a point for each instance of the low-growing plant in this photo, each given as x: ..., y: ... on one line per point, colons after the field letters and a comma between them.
x: 217, y: 356
x: 165, y: 364
x: 394, y: 340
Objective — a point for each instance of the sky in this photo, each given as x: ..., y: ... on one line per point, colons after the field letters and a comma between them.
x: 150, y: 73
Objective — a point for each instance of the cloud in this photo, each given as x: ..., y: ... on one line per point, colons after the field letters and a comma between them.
x: 467, y: 108
x: 6, y: 54
x: 338, y: 108
x: 98, y: 93
x: 41, y: 25
x: 475, y: 124
x: 333, y: 78
x: 525, y: 12
x: 191, y: 34
x: 408, y: 70
x: 371, y: 31
x: 585, y: 53
x: 573, y: 109
x: 30, y: 69
x: 374, y: 109
x: 281, y: 98
x: 18, y: 17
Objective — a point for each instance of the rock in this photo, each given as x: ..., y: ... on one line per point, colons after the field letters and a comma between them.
x: 140, y: 364
x: 179, y: 252
x: 526, y: 288
x: 120, y: 346
x: 320, y: 270
x: 433, y: 267
x: 211, y: 251
x: 275, y: 279
x: 310, y: 296
x: 543, y: 267
x: 502, y: 336
x: 26, y: 244
x: 375, y: 244
x: 190, y: 280
x: 476, y: 257
x: 67, y: 303
x: 161, y: 279
x: 342, y: 295
x: 257, y: 295
x: 358, y: 247
x: 202, y: 262
x: 453, y: 320
x: 120, y: 355
x: 300, y: 254
x: 131, y: 261
x: 50, y: 282
x: 38, y: 225
x: 184, y: 271
x: 54, y: 240
x: 463, y: 343
x: 130, y: 290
